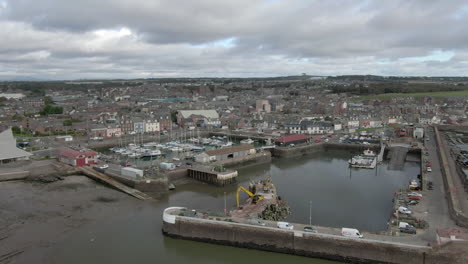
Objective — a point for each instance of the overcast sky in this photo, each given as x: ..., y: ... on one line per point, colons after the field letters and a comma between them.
x: 71, y: 39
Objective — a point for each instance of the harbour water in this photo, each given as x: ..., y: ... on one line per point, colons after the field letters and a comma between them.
x: 338, y: 196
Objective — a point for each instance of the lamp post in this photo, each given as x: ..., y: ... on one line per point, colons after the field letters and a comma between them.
x: 225, y: 209
x: 310, y: 212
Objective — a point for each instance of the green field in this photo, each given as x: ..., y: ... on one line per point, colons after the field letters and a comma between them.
x: 395, y: 95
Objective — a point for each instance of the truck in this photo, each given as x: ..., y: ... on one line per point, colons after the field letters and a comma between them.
x: 284, y: 225
x: 131, y: 172
x: 351, y: 232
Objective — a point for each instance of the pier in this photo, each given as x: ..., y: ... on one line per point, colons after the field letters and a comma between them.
x: 95, y: 175
x: 213, y: 175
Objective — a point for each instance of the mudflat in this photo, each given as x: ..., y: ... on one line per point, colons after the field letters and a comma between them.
x: 36, y: 216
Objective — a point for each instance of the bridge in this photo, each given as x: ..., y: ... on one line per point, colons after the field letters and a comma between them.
x: 95, y: 175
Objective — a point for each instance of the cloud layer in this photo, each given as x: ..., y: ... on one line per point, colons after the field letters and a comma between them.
x: 65, y: 39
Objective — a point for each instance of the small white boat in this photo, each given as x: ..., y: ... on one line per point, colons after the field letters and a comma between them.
x: 369, y: 153
x: 134, y: 155
x: 227, y: 144
x: 247, y: 141
x: 152, y: 154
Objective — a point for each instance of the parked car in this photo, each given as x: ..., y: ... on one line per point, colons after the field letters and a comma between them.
x: 256, y: 222
x: 404, y: 210
x: 407, y: 228
x: 415, y: 194
x: 104, y: 166
x: 285, y: 225
x: 310, y: 229
x: 429, y: 169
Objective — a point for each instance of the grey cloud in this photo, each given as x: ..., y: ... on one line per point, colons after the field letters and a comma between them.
x: 182, y: 38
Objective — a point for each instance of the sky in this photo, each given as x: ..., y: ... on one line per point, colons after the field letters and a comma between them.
x: 91, y: 39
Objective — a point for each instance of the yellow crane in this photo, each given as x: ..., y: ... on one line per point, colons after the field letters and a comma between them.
x: 254, y: 197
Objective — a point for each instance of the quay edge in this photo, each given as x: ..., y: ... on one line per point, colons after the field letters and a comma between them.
x: 300, y: 243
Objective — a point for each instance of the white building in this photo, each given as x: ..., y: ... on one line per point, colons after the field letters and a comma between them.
x: 8, y: 150
x: 152, y: 126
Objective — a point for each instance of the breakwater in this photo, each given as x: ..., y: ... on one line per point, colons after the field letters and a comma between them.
x: 305, y: 149
x: 332, y: 247
x: 455, y: 208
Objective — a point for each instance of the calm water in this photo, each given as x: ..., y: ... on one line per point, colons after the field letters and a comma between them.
x: 340, y: 197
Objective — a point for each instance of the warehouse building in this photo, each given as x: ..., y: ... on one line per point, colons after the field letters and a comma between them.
x: 292, y: 139
x: 225, y: 153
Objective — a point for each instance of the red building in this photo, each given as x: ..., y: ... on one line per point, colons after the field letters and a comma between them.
x: 77, y: 157
x: 292, y: 139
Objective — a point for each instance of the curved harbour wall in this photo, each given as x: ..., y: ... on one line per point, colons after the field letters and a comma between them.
x: 301, y: 243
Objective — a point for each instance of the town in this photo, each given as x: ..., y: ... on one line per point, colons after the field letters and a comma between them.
x: 150, y: 137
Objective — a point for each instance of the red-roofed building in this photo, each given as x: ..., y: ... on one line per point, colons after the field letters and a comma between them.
x: 77, y: 157
x: 291, y: 139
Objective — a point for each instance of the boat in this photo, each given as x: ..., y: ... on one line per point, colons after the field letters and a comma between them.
x: 247, y: 141
x: 369, y: 153
x: 152, y: 154
x: 227, y: 144
x: 134, y: 155
x: 363, y: 162
x: 197, y: 149
x: 206, y: 141
x: 126, y: 152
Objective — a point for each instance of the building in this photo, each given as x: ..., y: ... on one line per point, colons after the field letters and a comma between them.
x: 34, y: 101
x: 8, y: 150
x: 291, y: 139
x: 262, y: 106
x: 113, y: 131
x: 225, y: 153
x: 199, y: 118
x: 15, y: 96
x: 165, y: 122
x: 77, y: 158
x: 311, y: 127
x: 151, y: 126
x: 126, y: 125
x: 418, y: 132
x: 139, y: 126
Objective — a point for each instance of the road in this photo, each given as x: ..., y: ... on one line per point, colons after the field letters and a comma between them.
x: 433, y: 207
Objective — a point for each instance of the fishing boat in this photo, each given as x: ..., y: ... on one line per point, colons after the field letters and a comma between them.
x: 361, y: 161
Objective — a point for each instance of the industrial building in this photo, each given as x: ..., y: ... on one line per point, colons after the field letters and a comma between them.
x: 292, y: 139
x: 225, y: 153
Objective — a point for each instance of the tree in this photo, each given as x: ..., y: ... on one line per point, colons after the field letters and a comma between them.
x: 48, y: 100
x: 50, y: 110
x: 16, y: 130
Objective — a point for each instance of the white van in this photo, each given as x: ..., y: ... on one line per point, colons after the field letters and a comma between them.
x: 350, y: 232
x: 284, y: 225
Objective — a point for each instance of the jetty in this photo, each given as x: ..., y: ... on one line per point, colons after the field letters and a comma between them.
x: 95, y: 175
